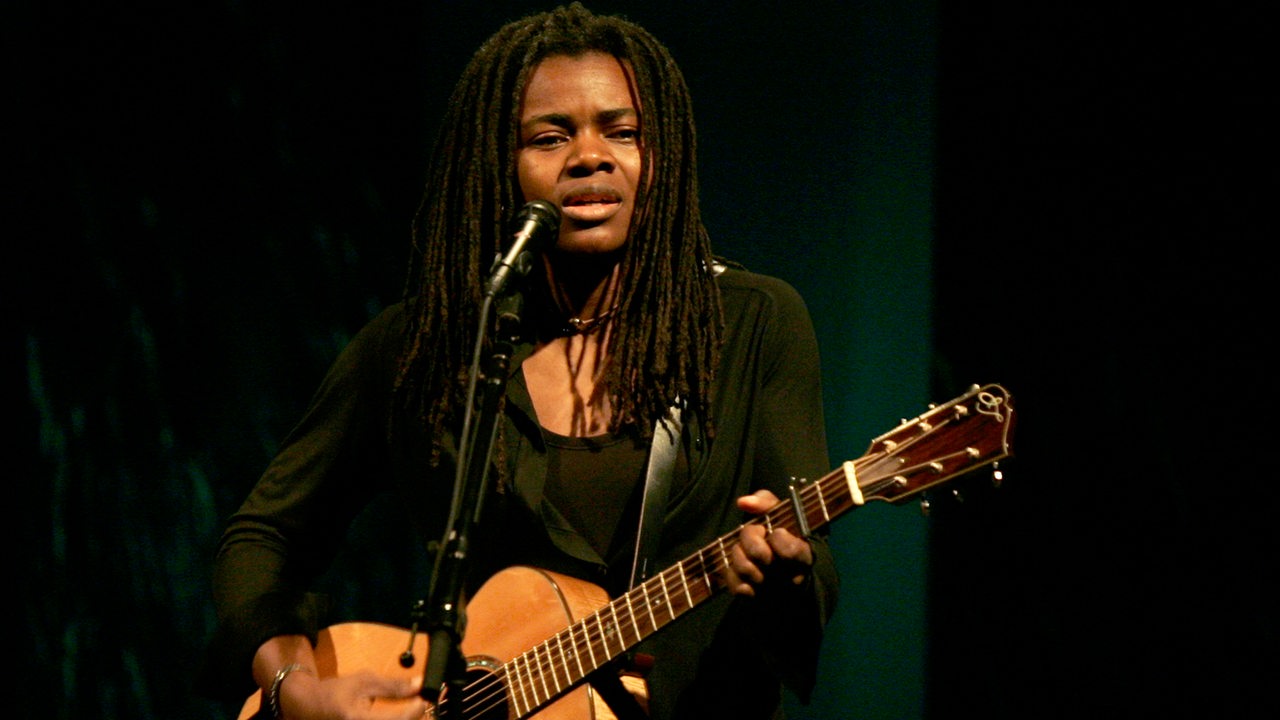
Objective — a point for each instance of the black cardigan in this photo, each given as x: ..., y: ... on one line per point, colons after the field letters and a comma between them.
x: 728, y: 657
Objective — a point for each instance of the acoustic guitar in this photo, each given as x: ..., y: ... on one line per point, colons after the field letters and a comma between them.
x: 534, y: 638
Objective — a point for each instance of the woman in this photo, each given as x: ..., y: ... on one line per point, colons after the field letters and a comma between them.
x: 628, y: 315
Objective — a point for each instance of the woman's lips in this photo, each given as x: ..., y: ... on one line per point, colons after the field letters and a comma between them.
x: 590, y: 205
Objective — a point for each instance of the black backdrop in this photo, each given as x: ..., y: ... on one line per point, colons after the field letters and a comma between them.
x: 1103, y: 209
x: 209, y: 203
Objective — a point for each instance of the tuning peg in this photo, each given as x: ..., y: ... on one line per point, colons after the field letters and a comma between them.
x: 956, y: 494
x: 924, y: 505
x: 997, y: 475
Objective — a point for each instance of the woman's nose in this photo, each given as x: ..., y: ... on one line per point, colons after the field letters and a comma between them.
x: 591, y: 154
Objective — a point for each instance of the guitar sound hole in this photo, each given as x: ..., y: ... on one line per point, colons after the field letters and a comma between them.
x: 483, y: 698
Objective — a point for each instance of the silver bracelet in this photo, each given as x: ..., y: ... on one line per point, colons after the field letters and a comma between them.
x: 273, y: 695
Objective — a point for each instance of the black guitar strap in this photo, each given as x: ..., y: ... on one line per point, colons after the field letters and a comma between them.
x: 653, y: 505
x: 657, y: 485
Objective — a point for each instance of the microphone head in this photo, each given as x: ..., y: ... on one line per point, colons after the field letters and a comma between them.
x: 542, y: 213
x: 536, y: 225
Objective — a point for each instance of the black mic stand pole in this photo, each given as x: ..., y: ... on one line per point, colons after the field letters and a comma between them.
x: 444, y: 615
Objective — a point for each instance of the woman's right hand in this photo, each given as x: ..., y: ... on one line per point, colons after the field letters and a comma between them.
x: 359, y: 696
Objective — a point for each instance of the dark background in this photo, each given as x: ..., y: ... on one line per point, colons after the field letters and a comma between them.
x: 1104, y: 208
x: 212, y: 197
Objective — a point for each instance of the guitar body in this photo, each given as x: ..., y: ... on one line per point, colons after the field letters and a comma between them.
x: 515, y: 610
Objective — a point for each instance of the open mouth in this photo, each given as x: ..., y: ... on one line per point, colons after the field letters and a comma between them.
x: 594, y: 198
x: 590, y: 205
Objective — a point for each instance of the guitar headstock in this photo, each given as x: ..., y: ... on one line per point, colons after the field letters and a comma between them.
x: 950, y: 440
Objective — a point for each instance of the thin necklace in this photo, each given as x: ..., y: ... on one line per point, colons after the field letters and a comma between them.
x: 583, y: 326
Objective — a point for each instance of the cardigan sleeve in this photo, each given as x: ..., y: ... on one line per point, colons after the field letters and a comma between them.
x: 732, y: 658
x: 295, y: 519
x: 791, y: 442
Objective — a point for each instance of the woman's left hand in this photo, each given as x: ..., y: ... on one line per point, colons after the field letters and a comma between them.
x: 761, y: 557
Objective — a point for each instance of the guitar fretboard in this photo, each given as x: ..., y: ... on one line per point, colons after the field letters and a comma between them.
x: 950, y: 440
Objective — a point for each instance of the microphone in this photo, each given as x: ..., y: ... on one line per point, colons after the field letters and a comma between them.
x: 537, y: 224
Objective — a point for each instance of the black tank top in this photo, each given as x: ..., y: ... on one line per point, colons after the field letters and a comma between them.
x: 595, y: 483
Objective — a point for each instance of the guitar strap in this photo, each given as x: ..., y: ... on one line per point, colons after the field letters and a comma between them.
x: 653, y: 505
x: 657, y: 484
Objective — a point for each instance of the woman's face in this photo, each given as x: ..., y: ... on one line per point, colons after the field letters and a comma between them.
x: 580, y: 149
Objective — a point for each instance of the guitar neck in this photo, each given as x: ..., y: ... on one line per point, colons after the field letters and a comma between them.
x: 969, y: 432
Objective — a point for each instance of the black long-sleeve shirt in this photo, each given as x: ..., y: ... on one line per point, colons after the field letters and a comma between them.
x: 727, y: 657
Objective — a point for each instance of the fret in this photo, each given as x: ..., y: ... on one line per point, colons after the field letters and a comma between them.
x: 586, y: 641
x: 565, y: 656
x: 783, y: 518
x: 542, y: 674
x: 578, y: 646
x: 631, y: 612
x: 554, y: 664
x: 600, y: 633
x: 520, y: 681
x: 551, y: 663
x: 822, y: 503
x: 503, y: 676
x: 707, y: 569
x: 833, y: 499
x: 684, y: 583
x: 648, y: 605
x: 606, y: 630
x: 662, y: 580
x: 724, y: 555
x: 617, y: 626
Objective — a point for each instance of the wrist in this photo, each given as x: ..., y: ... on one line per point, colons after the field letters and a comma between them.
x: 273, y: 694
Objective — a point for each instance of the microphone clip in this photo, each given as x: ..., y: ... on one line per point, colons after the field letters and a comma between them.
x: 537, y: 224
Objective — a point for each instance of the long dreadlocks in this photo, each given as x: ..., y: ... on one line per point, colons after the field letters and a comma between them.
x: 667, y: 333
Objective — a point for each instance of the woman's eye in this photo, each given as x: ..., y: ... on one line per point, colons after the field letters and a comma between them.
x: 546, y: 141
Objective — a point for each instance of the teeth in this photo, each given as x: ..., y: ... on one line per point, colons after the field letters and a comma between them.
x: 588, y: 200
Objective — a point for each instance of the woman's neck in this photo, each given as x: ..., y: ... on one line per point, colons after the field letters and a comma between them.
x: 565, y: 372
x: 583, y: 294
x: 583, y: 286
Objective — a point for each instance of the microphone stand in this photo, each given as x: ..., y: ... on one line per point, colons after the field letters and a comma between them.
x: 443, y: 613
